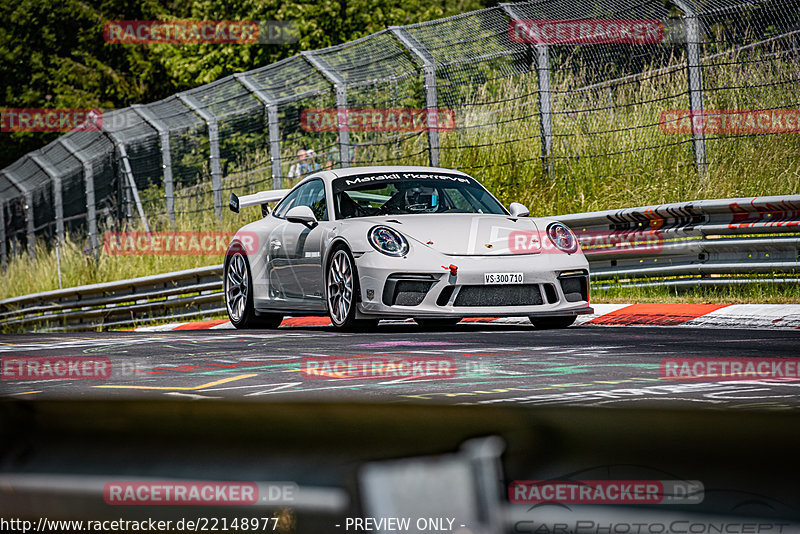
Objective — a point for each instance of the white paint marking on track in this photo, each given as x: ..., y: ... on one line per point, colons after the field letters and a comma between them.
x: 751, y: 316
x: 274, y: 387
x: 135, y: 340
x: 643, y: 393
x: 191, y: 395
x: 278, y: 392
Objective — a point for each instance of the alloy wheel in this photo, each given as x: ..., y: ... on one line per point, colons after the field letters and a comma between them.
x: 237, y: 286
x: 340, y: 286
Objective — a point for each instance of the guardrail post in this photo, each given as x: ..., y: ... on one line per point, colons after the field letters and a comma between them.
x: 271, y: 106
x: 128, y: 172
x: 166, y: 157
x: 28, y: 207
x: 58, y: 200
x: 431, y: 96
x: 545, y: 97
x: 213, y: 146
x: 695, y: 78
x: 88, y: 181
x: 340, y: 86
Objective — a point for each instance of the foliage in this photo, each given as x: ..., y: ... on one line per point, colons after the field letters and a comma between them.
x: 53, y: 54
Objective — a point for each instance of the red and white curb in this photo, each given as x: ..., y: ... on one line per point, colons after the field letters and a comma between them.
x: 695, y: 315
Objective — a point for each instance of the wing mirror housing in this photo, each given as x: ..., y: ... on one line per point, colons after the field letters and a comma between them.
x: 302, y: 215
x: 518, y: 210
x: 233, y: 203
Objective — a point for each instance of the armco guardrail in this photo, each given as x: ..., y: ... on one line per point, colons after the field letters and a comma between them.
x: 693, y: 243
x: 688, y: 243
x: 189, y: 293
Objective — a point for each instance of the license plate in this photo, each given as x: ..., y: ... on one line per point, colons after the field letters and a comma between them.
x: 502, y: 278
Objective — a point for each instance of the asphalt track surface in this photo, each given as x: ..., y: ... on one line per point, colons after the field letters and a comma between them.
x: 585, y: 365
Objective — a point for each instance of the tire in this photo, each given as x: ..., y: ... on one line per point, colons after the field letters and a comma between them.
x: 342, y: 291
x: 552, y: 323
x: 432, y: 324
x: 239, y: 295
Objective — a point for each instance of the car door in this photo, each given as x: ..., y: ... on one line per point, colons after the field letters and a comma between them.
x: 295, y: 259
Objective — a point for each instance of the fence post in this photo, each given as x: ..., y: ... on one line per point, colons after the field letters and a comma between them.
x: 213, y: 142
x: 695, y: 79
x: 58, y: 200
x: 128, y: 172
x: 166, y: 157
x: 431, y: 96
x: 88, y: 180
x: 545, y: 97
x: 340, y: 86
x: 3, y: 251
x: 545, y: 105
x: 28, y: 207
x: 271, y: 106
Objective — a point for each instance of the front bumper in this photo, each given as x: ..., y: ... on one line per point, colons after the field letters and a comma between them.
x: 553, y: 285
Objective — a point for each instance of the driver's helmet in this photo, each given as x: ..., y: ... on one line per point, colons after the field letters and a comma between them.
x: 420, y: 199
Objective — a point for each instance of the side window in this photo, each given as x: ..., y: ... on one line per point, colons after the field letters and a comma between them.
x: 311, y: 194
x: 288, y: 202
x: 314, y: 198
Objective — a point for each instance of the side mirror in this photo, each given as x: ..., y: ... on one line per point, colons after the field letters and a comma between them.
x: 518, y: 210
x: 302, y: 215
x: 233, y: 203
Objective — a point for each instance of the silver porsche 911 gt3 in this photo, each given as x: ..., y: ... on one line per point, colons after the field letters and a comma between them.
x: 370, y: 243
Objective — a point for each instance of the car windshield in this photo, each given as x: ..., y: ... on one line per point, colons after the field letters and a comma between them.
x: 403, y: 193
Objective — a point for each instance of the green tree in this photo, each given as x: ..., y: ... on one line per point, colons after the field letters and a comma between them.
x: 53, y: 54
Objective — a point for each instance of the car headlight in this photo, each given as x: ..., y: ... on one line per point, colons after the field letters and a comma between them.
x: 562, y: 237
x: 388, y: 240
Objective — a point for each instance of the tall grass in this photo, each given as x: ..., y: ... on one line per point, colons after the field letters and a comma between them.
x: 609, y: 151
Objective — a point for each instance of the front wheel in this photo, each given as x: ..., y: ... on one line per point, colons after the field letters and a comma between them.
x: 239, y: 296
x: 551, y: 323
x: 342, y: 290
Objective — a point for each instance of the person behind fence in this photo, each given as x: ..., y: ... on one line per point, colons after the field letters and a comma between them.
x: 333, y: 155
x: 299, y: 169
x: 313, y: 164
x: 331, y: 158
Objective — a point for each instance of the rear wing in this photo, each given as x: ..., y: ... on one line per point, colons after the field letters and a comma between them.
x: 262, y: 197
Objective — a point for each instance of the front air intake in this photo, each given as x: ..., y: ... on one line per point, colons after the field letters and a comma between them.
x: 575, y: 287
x: 508, y: 295
x: 406, y: 289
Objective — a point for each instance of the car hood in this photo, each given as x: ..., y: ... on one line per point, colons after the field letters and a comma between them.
x: 470, y: 234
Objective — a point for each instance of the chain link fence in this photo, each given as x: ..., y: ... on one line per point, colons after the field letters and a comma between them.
x: 524, y: 103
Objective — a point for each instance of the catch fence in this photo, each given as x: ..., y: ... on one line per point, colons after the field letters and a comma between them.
x: 500, y: 97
